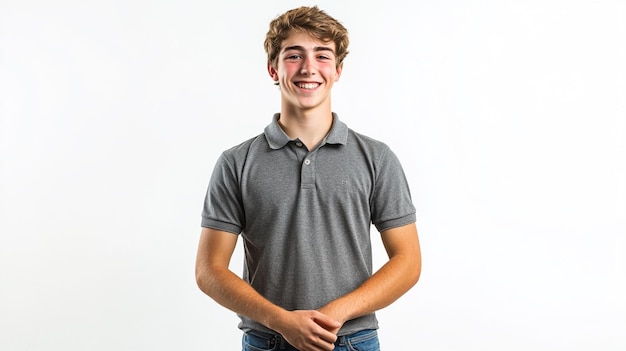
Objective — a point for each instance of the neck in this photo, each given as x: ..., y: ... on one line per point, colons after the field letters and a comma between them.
x: 310, y: 126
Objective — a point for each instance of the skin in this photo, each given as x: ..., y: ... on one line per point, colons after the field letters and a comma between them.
x: 306, y: 114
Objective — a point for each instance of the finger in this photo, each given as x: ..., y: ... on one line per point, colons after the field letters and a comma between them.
x: 321, y: 320
x: 323, y: 345
x: 326, y: 322
x: 326, y: 335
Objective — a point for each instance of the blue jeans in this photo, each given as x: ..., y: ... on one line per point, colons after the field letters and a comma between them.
x: 364, y: 340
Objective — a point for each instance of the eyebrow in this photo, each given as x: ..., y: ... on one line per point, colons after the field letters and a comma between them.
x: 300, y: 48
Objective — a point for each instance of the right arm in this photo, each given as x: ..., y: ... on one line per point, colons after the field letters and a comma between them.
x: 306, y: 330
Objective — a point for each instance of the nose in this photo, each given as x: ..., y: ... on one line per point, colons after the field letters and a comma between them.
x: 307, y: 67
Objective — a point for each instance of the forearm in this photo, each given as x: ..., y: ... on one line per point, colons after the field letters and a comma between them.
x: 301, y: 328
x: 232, y: 292
x: 388, y: 284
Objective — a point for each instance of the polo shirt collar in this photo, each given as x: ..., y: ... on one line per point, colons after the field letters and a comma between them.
x: 277, y: 138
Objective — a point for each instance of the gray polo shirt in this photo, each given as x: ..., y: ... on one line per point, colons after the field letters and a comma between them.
x: 305, y: 215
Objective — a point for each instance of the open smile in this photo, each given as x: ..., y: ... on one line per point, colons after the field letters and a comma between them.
x: 307, y: 85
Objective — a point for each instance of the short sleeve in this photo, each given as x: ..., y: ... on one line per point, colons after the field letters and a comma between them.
x: 223, y: 208
x: 391, y: 203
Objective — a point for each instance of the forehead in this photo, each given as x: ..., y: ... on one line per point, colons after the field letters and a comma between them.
x: 305, y: 41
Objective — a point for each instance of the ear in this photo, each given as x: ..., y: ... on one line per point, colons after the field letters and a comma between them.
x: 338, y: 73
x: 272, y: 71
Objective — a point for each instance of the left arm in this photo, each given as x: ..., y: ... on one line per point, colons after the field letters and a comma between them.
x: 392, y: 280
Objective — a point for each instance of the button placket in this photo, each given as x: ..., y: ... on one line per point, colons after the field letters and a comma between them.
x: 299, y: 150
x: 307, y: 175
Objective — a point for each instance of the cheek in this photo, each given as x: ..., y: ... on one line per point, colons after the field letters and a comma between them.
x: 289, y: 70
x: 331, y: 71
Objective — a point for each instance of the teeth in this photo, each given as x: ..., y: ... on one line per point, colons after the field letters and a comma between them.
x: 308, y: 85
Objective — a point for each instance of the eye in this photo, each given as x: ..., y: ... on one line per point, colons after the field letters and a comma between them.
x: 293, y: 57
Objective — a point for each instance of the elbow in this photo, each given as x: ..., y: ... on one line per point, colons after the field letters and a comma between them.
x: 416, y: 265
x: 408, y: 270
x: 204, y: 279
x: 414, y: 271
x: 200, y: 279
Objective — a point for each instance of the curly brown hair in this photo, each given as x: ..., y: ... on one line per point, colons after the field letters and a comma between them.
x: 311, y: 20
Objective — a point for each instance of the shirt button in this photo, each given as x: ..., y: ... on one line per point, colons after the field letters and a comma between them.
x: 307, y: 162
x: 299, y: 144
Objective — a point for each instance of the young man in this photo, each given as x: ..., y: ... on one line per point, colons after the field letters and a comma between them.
x: 303, y: 195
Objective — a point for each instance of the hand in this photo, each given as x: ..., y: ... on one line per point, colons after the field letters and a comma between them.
x: 330, y: 313
x: 309, y: 330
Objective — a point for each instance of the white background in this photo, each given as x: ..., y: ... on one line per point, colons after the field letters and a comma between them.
x: 508, y: 116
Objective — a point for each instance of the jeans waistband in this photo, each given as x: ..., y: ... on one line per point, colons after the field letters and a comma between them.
x: 272, y: 339
x: 278, y: 340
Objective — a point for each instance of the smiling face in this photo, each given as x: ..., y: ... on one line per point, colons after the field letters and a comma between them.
x: 306, y: 70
